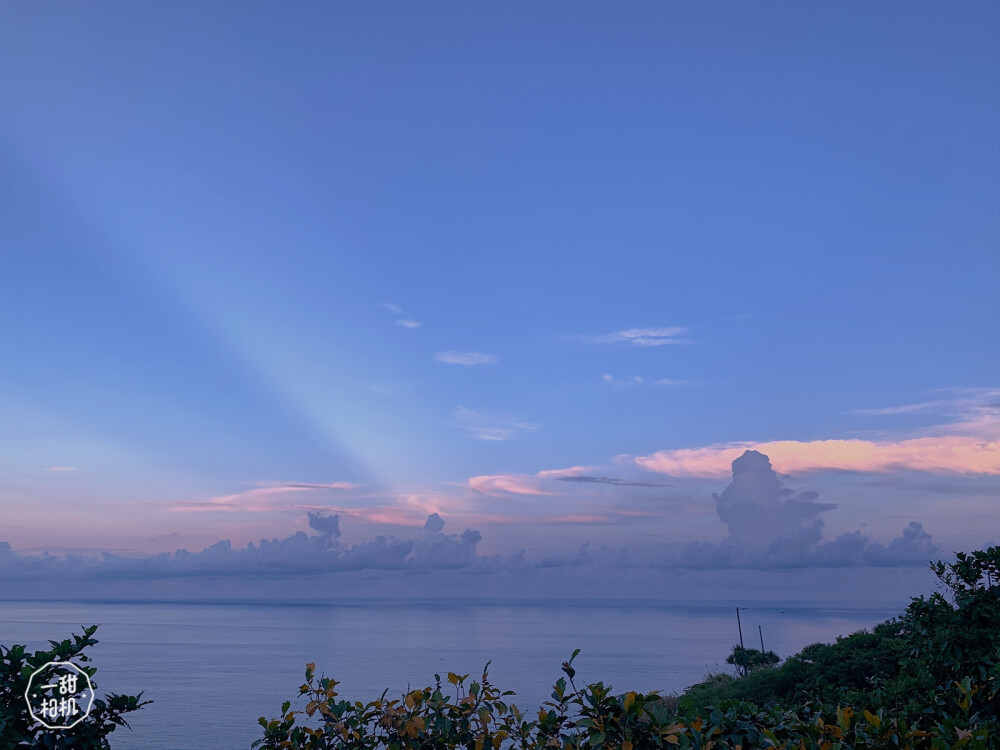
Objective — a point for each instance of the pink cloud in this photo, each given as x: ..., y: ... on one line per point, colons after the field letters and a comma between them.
x: 61, y: 468
x: 572, y: 471
x: 948, y: 454
x: 261, y: 499
x: 407, y: 510
x: 498, y: 484
x: 292, y: 486
x: 570, y: 518
x: 382, y: 514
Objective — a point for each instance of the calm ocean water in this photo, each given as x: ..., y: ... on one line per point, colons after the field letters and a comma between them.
x: 212, y: 669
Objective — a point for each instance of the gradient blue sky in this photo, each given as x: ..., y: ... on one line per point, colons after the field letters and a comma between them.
x: 391, y: 259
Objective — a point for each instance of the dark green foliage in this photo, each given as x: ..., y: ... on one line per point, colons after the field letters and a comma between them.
x: 936, y: 665
x: 843, y: 672
x: 951, y: 638
x: 18, y: 729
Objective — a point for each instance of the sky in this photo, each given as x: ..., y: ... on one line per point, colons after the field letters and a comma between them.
x: 503, y: 286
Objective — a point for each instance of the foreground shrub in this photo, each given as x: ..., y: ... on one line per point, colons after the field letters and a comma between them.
x: 19, y: 729
x: 478, y: 718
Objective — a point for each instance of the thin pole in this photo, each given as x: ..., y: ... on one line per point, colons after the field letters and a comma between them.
x: 739, y: 625
x: 761, y: 632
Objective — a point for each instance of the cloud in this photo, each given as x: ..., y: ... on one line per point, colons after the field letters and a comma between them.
x: 315, y: 486
x: 409, y: 510
x: 587, y: 556
x: 772, y: 526
x: 559, y: 473
x: 490, y: 426
x: 966, y: 406
x: 297, y: 554
x: 499, y: 484
x: 60, y: 468
x: 527, y: 484
x: 328, y: 526
x: 623, y: 382
x: 434, y: 524
x: 266, y: 498
x: 546, y: 519
x: 948, y: 454
x: 394, y: 309
x: 639, y: 336
x: 925, y: 407
x: 408, y: 323
x: 468, y: 359
x: 756, y: 505
x: 616, y: 481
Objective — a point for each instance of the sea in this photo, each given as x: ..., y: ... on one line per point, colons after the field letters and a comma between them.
x: 211, y: 669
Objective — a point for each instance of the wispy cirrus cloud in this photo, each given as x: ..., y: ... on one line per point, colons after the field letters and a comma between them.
x: 534, y: 484
x: 490, y: 426
x: 394, y: 309
x: 270, y: 496
x: 468, y: 359
x: 614, y: 481
x: 60, y: 468
x: 638, y: 336
x: 925, y: 407
x: 572, y: 471
x: 968, y: 407
x: 635, y: 380
x: 513, y: 484
x: 623, y: 382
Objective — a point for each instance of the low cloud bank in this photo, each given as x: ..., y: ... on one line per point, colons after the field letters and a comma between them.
x: 300, y: 553
x: 770, y: 527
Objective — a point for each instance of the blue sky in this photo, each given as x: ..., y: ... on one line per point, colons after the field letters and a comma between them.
x: 389, y: 260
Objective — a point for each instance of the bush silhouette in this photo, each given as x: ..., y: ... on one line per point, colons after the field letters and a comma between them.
x: 19, y: 729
